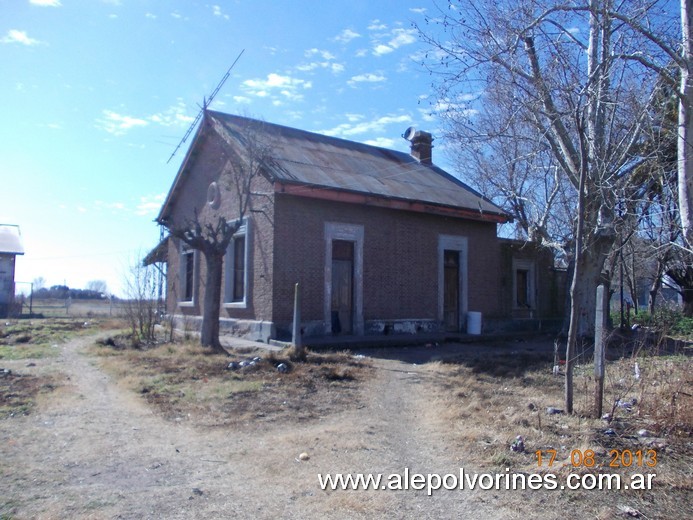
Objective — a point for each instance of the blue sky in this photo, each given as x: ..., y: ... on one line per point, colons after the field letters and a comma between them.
x: 96, y: 94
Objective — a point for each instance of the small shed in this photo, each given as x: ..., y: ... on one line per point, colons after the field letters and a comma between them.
x: 10, y: 246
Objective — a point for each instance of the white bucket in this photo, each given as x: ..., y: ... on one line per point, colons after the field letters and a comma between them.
x: 474, y: 323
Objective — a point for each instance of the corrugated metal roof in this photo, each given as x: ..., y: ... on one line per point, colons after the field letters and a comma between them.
x: 316, y: 160
x: 11, y: 240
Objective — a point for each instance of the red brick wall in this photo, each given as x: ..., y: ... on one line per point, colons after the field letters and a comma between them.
x: 400, y: 259
x: 287, y: 245
x: 204, y: 167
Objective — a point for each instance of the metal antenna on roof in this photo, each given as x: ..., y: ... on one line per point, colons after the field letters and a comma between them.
x: 205, y: 103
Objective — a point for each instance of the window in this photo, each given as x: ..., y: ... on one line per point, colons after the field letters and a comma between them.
x: 235, y: 289
x: 523, y: 284
x: 238, y: 269
x: 187, y: 274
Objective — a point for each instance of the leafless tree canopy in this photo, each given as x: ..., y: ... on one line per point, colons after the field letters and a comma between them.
x: 549, y: 104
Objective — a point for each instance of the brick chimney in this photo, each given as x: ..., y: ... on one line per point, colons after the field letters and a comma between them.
x: 421, y: 145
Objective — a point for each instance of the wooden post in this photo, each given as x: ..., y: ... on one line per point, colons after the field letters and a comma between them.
x: 599, y: 348
x: 296, y: 332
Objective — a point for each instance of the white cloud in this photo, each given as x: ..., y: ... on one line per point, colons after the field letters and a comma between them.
x: 325, y: 55
x: 382, y: 142
x: 328, y: 62
x: 216, y: 10
x: 352, y: 118
x: 366, y: 78
x: 377, y: 25
x: 346, y: 36
x: 46, y: 3
x: 426, y: 115
x: 396, y: 38
x: 118, y: 124
x: 380, y: 50
x: 177, y: 15
x: 174, y: 115
x: 17, y: 36
x: 418, y: 10
x: 241, y: 99
x: 402, y: 37
x: 376, y: 125
x: 276, y: 84
x: 150, y: 205
x: 151, y: 16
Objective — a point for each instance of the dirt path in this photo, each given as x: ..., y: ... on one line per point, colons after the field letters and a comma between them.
x: 98, y: 451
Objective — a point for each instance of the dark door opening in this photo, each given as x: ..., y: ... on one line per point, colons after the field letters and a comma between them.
x: 342, y: 287
x: 451, y: 290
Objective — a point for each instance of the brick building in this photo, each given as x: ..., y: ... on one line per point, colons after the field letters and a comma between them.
x: 380, y: 241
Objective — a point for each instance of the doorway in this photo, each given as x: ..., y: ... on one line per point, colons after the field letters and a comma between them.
x: 342, y: 287
x: 451, y: 290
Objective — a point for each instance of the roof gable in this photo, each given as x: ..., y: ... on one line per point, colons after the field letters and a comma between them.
x: 307, y: 162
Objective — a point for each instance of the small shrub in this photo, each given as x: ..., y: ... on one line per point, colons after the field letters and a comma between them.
x: 666, y: 321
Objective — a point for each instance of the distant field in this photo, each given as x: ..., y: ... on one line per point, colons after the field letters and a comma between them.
x: 75, y: 308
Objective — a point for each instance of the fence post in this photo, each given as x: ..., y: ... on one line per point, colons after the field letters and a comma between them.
x: 296, y: 331
x: 600, y: 348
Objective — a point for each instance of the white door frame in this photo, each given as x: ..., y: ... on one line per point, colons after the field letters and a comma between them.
x: 352, y: 233
x: 459, y: 244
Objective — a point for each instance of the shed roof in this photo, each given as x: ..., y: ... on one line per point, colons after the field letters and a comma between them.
x: 308, y: 161
x: 11, y: 240
x: 157, y: 255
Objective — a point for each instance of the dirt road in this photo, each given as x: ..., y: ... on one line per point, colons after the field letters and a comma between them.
x: 95, y: 450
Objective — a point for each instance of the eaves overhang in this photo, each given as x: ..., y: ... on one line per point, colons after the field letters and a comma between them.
x: 369, y: 199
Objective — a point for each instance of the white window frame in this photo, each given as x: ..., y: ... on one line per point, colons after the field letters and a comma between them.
x: 244, y: 231
x: 185, y: 251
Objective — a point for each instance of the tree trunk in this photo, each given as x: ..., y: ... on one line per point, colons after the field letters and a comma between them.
x: 654, y: 291
x: 687, y: 296
x: 685, y: 147
x: 591, y: 268
x: 209, y: 334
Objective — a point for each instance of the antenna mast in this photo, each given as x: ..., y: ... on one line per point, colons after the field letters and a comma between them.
x: 205, y: 103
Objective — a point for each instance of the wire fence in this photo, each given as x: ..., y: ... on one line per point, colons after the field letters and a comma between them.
x: 24, y: 306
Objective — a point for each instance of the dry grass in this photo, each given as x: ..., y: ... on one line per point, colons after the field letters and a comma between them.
x: 185, y: 382
x: 39, y: 338
x: 19, y: 393
x: 490, y: 400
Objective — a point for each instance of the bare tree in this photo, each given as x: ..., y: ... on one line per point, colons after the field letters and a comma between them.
x: 140, y: 302
x: 39, y: 283
x: 685, y: 146
x: 97, y: 286
x: 211, y: 228
x: 658, y: 208
x: 569, y: 72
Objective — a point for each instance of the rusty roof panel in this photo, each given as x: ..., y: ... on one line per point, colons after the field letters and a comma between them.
x: 317, y: 160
